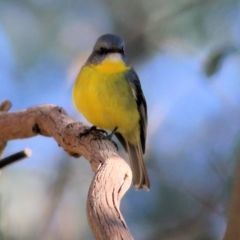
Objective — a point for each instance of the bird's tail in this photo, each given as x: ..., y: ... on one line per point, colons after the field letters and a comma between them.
x: 140, y: 176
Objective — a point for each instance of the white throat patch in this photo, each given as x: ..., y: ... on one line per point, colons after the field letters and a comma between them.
x: 114, y: 57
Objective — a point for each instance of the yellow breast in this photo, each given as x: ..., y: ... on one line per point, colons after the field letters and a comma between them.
x: 104, y: 96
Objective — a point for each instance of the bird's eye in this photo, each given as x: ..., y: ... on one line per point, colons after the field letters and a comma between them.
x: 103, y: 51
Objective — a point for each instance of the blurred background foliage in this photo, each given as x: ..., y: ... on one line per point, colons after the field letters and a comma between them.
x: 186, y: 54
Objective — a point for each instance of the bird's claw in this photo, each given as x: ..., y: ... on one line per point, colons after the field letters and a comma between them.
x: 94, y: 131
x: 99, y: 134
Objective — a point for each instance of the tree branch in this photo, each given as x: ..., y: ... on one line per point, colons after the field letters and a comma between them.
x: 15, y: 157
x: 113, y: 175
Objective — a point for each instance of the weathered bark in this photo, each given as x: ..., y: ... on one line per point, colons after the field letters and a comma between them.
x: 113, y: 175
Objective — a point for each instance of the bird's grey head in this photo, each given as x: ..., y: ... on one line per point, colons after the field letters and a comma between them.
x: 106, y: 45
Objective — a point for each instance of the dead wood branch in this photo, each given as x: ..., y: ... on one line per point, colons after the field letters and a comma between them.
x: 113, y: 175
x: 15, y: 157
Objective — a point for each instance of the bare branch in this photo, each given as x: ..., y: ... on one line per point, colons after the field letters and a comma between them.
x: 15, y: 157
x: 104, y: 215
x: 113, y: 175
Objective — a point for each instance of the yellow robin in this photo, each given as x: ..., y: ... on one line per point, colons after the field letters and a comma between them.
x: 108, y: 93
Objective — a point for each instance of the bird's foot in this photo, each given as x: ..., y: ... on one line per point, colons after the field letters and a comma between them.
x: 100, y: 134
x: 94, y: 131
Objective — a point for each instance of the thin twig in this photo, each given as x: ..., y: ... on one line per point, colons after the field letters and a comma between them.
x: 15, y: 157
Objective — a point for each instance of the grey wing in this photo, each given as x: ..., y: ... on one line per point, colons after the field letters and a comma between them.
x: 132, y: 77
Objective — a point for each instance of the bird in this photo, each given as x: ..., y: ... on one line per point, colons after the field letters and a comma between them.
x: 108, y: 93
